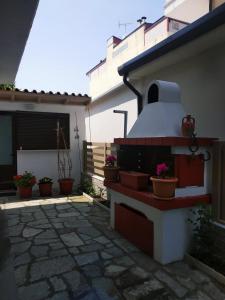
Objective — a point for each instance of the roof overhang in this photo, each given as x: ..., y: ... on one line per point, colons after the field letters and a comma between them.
x: 204, y: 33
x: 46, y: 98
x: 16, y: 20
x: 212, y: 40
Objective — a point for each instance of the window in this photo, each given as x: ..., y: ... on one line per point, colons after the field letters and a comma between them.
x: 38, y: 131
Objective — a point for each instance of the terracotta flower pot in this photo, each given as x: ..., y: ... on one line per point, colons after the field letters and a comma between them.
x: 66, y: 186
x: 45, y: 189
x: 164, y: 188
x: 111, y: 173
x: 25, y: 192
x: 134, y: 180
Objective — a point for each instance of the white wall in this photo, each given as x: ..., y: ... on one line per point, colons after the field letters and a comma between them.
x: 156, y: 34
x: 106, y: 76
x: 186, y: 10
x: 106, y: 125
x: 201, y: 79
x: 44, y: 162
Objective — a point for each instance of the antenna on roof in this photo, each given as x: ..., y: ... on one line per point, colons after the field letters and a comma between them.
x: 125, y: 25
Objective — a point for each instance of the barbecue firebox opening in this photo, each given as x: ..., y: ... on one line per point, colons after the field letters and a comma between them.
x: 153, y: 94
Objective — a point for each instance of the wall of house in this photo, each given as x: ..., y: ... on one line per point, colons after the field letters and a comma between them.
x: 186, y: 10
x: 44, y: 162
x: 102, y: 125
x: 156, y: 34
x: 105, y: 77
x: 201, y: 79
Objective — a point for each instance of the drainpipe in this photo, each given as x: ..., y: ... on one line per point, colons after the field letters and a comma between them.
x: 136, y: 92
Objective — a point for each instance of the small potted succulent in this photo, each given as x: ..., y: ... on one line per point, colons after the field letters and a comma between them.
x: 45, y: 186
x: 163, y: 185
x: 24, y: 184
x: 111, y: 171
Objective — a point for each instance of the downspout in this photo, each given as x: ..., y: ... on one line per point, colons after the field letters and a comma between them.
x: 136, y: 92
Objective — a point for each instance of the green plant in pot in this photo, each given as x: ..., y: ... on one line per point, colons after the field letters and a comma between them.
x: 24, y: 184
x: 45, y: 186
x: 163, y: 185
x: 111, y: 171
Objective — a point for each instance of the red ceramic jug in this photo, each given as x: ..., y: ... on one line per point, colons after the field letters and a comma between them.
x: 188, y: 126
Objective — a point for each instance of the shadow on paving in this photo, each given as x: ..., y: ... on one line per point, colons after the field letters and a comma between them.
x: 64, y: 248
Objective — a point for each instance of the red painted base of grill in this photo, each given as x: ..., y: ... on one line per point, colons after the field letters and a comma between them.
x: 135, y: 227
x: 189, y: 170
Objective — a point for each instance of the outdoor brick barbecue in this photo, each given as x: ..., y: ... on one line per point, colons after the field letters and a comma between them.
x: 160, y: 227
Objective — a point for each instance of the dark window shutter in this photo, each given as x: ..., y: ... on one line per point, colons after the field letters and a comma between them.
x: 37, y: 131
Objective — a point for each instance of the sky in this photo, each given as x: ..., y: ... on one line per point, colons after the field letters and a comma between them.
x: 68, y: 38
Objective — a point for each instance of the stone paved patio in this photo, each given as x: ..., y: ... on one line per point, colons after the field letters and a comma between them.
x: 64, y: 249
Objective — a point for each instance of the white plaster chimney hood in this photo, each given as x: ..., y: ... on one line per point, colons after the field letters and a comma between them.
x: 162, y: 116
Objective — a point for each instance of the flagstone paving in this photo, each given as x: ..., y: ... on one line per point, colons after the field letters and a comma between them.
x: 64, y: 249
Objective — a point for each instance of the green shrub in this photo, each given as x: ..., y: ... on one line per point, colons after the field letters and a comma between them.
x: 86, y: 186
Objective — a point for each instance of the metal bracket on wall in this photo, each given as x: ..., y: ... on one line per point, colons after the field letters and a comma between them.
x: 125, y: 113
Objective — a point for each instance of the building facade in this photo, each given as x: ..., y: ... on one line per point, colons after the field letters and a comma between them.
x: 108, y: 91
x: 187, y: 10
x: 28, y: 134
x: 104, y: 76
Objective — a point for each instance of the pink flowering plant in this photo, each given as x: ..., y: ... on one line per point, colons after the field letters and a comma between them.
x: 110, y: 161
x: 162, y: 170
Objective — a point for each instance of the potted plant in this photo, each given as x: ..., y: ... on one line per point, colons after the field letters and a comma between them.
x: 24, y: 184
x: 64, y: 164
x: 45, y: 186
x: 163, y: 185
x: 111, y: 171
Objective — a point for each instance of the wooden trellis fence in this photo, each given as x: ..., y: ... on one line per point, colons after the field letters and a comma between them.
x: 94, y: 155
